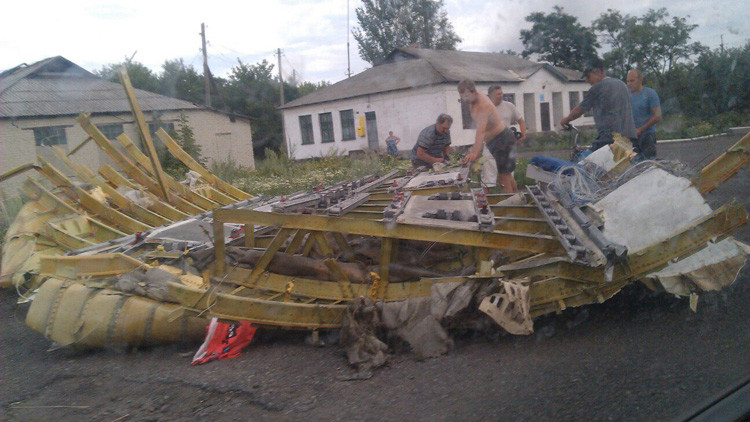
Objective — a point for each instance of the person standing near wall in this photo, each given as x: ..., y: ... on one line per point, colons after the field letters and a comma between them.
x: 391, y: 143
x: 646, y: 113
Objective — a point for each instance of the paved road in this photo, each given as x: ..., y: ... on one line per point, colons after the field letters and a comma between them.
x: 635, y: 357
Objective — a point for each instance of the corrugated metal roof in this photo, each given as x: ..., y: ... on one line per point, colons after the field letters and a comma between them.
x: 58, y: 87
x: 406, y: 68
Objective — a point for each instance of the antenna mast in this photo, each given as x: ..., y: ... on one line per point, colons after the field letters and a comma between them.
x: 348, y: 63
x: 206, y: 72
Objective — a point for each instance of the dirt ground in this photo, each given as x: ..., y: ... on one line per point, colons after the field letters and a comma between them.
x: 635, y: 357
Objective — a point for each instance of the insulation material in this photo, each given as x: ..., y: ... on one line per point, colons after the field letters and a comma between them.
x: 649, y: 208
x: 419, y: 321
x: 603, y: 157
x: 358, y: 336
x: 151, y: 283
x: 136, y: 196
x: 711, y: 268
x: 510, y: 308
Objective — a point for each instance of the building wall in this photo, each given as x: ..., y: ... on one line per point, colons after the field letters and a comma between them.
x: 407, y: 112
x: 218, y: 136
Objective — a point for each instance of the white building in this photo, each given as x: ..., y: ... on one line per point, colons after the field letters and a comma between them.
x: 412, y: 86
x: 39, y: 104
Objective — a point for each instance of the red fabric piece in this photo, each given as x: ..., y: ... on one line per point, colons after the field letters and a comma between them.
x: 224, y: 340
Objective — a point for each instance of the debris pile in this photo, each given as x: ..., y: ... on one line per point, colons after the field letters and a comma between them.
x: 145, y: 259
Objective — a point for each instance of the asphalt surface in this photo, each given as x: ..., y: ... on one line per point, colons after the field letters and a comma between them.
x: 638, y: 356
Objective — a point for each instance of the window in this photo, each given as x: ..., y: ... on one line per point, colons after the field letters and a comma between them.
x: 326, y: 127
x: 111, y: 131
x: 511, y: 98
x: 347, y: 125
x: 468, y: 122
x: 154, y: 126
x: 48, y: 136
x: 588, y: 112
x: 574, y: 98
x: 305, y: 128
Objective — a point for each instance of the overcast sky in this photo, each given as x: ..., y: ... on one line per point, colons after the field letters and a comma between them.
x: 312, y: 34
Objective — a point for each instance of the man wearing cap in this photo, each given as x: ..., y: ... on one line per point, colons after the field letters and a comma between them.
x: 609, y: 99
x: 646, y: 112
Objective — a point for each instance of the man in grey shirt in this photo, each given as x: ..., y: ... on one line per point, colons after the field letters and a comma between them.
x: 610, y: 100
x: 433, y: 143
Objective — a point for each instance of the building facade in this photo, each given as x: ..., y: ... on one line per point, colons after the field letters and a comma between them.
x: 39, y: 104
x: 407, y: 92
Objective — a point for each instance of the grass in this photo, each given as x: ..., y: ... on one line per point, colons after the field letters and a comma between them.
x: 9, y: 208
x: 277, y: 174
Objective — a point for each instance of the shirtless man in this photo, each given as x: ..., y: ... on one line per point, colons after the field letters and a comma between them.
x: 492, y: 131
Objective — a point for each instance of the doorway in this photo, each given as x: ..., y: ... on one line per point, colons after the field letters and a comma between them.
x: 544, y: 111
x: 372, y: 129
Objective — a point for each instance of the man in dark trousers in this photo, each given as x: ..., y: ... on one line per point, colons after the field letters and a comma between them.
x: 646, y: 113
x: 610, y: 100
x: 491, y: 131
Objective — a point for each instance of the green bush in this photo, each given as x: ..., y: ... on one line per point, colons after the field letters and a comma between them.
x: 729, y: 119
x: 520, y: 173
x: 553, y: 141
x: 9, y: 208
x: 701, y: 129
x: 277, y: 174
x: 229, y: 169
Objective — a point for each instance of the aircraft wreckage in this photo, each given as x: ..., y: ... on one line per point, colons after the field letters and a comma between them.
x: 141, y: 258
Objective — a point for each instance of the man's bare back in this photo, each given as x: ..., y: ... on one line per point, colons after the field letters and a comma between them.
x: 486, y: 110
x: 485, y: 116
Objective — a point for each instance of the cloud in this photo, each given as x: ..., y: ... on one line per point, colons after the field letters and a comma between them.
x: 312, y: 34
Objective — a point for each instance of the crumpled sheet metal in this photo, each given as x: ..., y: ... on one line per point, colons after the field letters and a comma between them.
x: 510, y: 307
x: 711, y: 268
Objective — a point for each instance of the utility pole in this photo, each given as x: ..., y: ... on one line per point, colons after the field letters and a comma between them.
x: 348, y: 62
x: 206, y: 72
x: 281, y: 102
x: 722, y: 43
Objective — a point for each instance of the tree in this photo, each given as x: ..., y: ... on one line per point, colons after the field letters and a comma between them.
x: 185, y: 138
x: 303, y: 89
x: 387, y: 24
x: 651, y: 42
x: 140, y: 76
x: 180, y: 81
x: 252, y: 90
x: 559, y: 39
x: 723, y: 79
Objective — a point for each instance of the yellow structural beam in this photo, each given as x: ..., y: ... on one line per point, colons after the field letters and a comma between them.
x: 495, y: 239
x: 194, y: 165
x: 140, y: 122
x: 724, y: 166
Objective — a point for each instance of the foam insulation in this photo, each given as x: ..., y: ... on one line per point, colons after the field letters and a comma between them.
x: 649, y: 208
